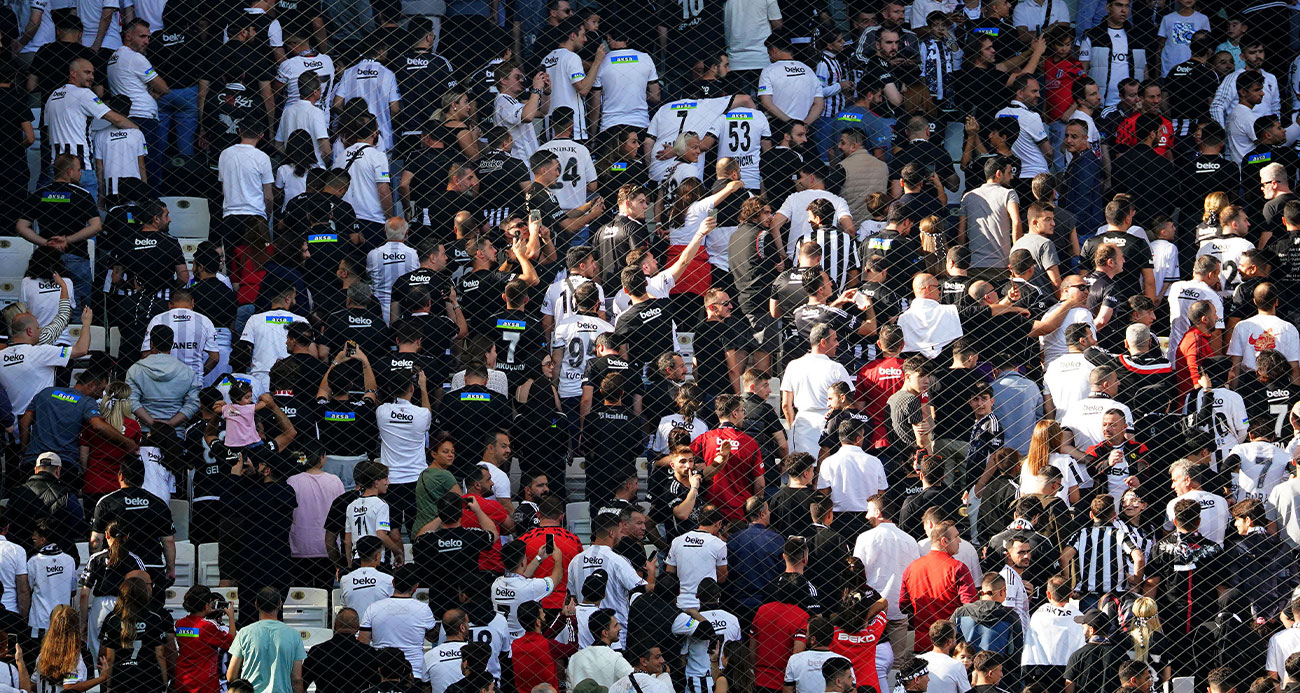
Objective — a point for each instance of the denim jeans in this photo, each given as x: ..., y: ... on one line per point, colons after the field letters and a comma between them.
x: 178, y: 115
x: 89, y: 182
x: 155, y: 140
x: 1056, y: 135
x: 80, y: 271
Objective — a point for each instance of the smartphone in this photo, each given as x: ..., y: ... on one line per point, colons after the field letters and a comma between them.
x: 654, y: 553
x: 464, y: 503
x: 713, y: 213
x: 550, y: 544
x: 534, y: 216
x: 351, y: 349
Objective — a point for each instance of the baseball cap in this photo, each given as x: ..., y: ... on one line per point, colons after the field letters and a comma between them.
x: 1099, y: 620
x: 49, y: 459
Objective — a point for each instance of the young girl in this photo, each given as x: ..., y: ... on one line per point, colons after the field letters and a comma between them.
x: 878, y: 207
x: 299, y: 157
x: 102, y: 578
x: 241, y: 428
x: 134, y: 635
x: 100, y: 457
x: 59, y: 666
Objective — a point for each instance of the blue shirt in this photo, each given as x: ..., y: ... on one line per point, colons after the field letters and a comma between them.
x: 1018, y: 405
x: 753, y: 560
x: 57, y: 416
x: 876, y: 128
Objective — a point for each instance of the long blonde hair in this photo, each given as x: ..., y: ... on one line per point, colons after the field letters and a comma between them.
x: 1045, y: 441
x: 115, y: 407
x: 1214, y: 202
x: 449, y: 99
x: 61, y: 650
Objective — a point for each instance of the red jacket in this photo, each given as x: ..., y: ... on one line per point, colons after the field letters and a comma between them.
x: 877, y: 382
x: 1194, y: 347
x: 734, y: 482
x: 934, y: 585
x: 199, y: 642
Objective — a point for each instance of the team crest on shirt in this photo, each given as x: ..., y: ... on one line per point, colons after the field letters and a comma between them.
x: 623, y: 59
x: 849, y: 117
x: 620, y: 166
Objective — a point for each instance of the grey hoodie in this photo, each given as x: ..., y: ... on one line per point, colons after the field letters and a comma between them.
x: 163, y: 385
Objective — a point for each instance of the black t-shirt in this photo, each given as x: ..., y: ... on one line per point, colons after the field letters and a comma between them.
x: 499, y: 179
x: 829, y: 438
x: 519, y: 342
x: 229, y: 103
x: 810, y: 315
x: 1269, y: 401
x: 694, y: 28
x: 647, y: 328
x: 1198, y: 177
x: 1255, y: 161
x: 922, y: 152
x: 948, y: 500
x: 267, y: 539
x: 438, y: 284
x: 777, y: 169
x: 311, y: 371
x: 297, y: 15
x: 612, y: 244
x: 981, y: 92
x: 713, y: 338
x: 135, y: 663
x: 51, y: 62
x: 539, y: 197
x: 347, y: 428
x: 877, y: 68
x: 151, y: 258
x: 902, y: 258
x: 479, y: 293
x: 447, y: 560
x: 790, y: 511
x: 440, y: 335
x: 754, y: 257
x: 215, y: 300
x: 1094, y: 667
x: 436, y: 206
x: 674, y: 493
x: 179, y: 56
x: 147, y: 518
x: 1284, y: 250
x: 788, y: 291
x: 422, y: 79
x: 1137, y: 257
x: 599, y: 367
x: 1189, y: 89
x: 318, y: 215
x: 241, y: 62
x: 62, y: 209
x: 953, y: 290
x: 950, y: 396
x: 365, y: 326
x: 1145, y: 175
x: 475, y: 408
x: 13, y: 113
x: 613, y: 438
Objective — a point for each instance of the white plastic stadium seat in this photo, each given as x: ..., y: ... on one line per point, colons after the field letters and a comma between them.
x: 312, y: 637
x: 208, y: 572
x: 578, y: 516
x: 184, y: 563
x: 14, y: 253
x: 190, y: 217
x: 336, y: 601
x: 307, y: 607
x: 181, y: 518
x: 83, y: 553
x: 98, y: 336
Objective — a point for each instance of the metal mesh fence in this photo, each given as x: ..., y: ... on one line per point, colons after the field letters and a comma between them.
x: 705, y: 345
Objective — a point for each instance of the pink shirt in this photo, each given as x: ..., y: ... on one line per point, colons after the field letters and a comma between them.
x: 240, y: 429
x: 315, y: 493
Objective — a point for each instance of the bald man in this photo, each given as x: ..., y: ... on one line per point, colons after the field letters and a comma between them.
x: 29, y: 366
x: 341, y: 664
x: 930, y: 326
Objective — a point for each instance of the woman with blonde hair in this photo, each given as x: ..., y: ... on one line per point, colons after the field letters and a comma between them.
x: 1209, y: 226
x: 59, y: 666
x: 101, y: 458
x: 1045, y: 448
x: 457, y: 114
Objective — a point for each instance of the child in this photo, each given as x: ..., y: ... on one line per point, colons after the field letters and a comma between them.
x: 368, y: 515
x: 53, y: 576
x: 878, y: 207
x: 1176, y: 31
x: 1164, y: 254
x: 1232, y: 46
x: 119, y: 152
x: 1059, y: 72
x: 239, y: 413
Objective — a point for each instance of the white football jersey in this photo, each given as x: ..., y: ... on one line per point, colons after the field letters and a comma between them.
x: 365, y: 586
x: 367, y: 516
x: 193, y: 336
x: 293, y: 67
x: 576, y: 335
x: 564, y: 67
x: 576, y: 171
x: 1228, y: 250
x: 676, y: 117
x: 377, y: 85
x: 368, y: 167
x: 268, y: 332
x: 1182, y: 295
x: 67, y: 115
x: 508, y: 112
x: 495, y: 634
x: 1263, y: 466
x: 792, y: 85
x: 128, y: 73
x: 118, y: 153
x: 511, y: 590
x: 740, y: 133
x: 53, y: 578
x: 623, y: 79
x: 385, y: 265
x: 560, y: 302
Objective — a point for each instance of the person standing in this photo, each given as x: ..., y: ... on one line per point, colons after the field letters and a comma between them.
x: 268, y: 653
x: 67, y: 217
x: 1110, y: 53
x: 68, y: 113
x: 934, y: 585
x: 246, y: 179
x: 804, y: 387
x: 570, y: 83
x: 131, y: 74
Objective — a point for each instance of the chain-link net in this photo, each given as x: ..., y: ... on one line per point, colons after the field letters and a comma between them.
x: 365, y: 345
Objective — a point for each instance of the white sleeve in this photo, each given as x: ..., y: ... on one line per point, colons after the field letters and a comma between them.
x: 382, y: 520
x: 654, y: 70
x: 1085, y: 50
x: 319, y: 127
x: 275, y: 34
x: 1163, y: 31
x: 671, y: 558
x: 380, y: 164
x: 573, y: 68
x: 765, y: 82
x: 841, y: 208
x: 390, y: 81
x: 1037, y: 131
x: 282, y: 73
x: 1224, y: 98
x: 1235, y: 346
x: 790, y: 675
x: 588, y: 169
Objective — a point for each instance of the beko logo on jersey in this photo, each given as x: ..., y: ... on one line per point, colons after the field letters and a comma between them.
x: 1208, y: 166
x: 1277, y: 394
x: 401, y: 416
x: 367, y: 73
x: 470, y: 284
x: 359, y: 321
x: 172, y: 39
x: 651, y: 314
x: 115, y: 135
x: 136, y: 502
x: 145, y: 243
x: 11, y: 359
x: 593, y: 560
x: 313, y: 64
x: 417, y: 62
x: 550, y: 62
x: 398, y: 256
x: 52, y: 570
x: 403, y: 363
x: 693, y: 541
x: 503, y: 593
x: 1189, y: 293
x: 364, y: 581
x: 181, y: 317
x: 794, y: 70
x: 447, y: 544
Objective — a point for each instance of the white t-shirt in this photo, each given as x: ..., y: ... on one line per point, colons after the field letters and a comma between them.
x: 193, y: 336
x: 368, y: 167
x: 400, y: 622
x: 403, y: 430
x: 1066, y: 379
x: 1260, y: 332
x: 385, y: 265
x: 793, y: 86
x: 158, y: 480
x: 1031, y: 15
x: 243, y: 170
x: 885, y: 552
x: 1052, y: 636
x: 67, y: 114
x: 118, y: 152
x: 726, y: 626
x: 508, y: 112
x: 290, y: 183
x: 88, y: 11
x: 128, y: 73
x: 853, y: 476
x: 442, y: 665
x: 740, y: 133
x: 1164, y: 255
x: 1177, y: 32
x: 366, y: 517
x: 293, y: 67
x: 1230, y: 424
x: 576, y: 172
x: 500, y: 479
x: 623, y: 79
x: 1214, y: 514
x: 1228, y: 250
x: 576, y: 335
x: 947, y: 675
x: 795, y: 209
x: 45, y: 29
x: 1119, y: 67
x: 808, y: 377
x: 365, y: 586
x: 676, y: 117
x: 13, y: 562
x: 1032, y: 132
x: 496, y: 634
x: 1182, y: 295
x: 1084, y: 418
x: 675, y: 422
x: 377, y: 85
x: 1281, y: 646
x: 1263, y: 466
x: 52, y: 575
x: 42, y: 299
x: 564, y: 67
x: 303, y: 115
x: 511, y: 590
x: 696, y: 555
x: 804, y: 670
x: 1053, y: 342
x: 26, y: 369
x: 622, y: 579
x: 268, y: 331
x: 748, y: 24
x: 1240, y: 124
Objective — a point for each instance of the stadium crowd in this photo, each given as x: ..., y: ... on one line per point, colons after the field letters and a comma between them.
x: 709, y: 346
